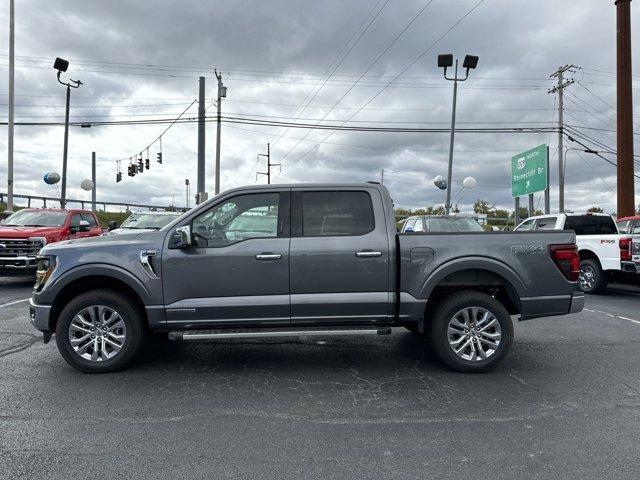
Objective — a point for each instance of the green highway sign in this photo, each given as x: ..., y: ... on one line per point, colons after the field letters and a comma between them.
x: 530, y: 171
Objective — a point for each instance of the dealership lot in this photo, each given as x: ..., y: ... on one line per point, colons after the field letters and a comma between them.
x: 565, y: 404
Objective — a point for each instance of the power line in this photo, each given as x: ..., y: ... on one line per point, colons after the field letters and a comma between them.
x: 422, y: 54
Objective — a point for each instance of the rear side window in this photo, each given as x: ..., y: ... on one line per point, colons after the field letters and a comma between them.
x: 547, y: 223
x: 409, y: 224
x: 336, y: 213
x: 418, y: 227
x: 528, y: 225
x: 91, y: 219
x: 591, y: 225
x: 75, y: 219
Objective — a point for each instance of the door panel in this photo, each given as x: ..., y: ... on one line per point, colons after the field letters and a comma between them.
x: 238, y: 270
x: 336, y: 276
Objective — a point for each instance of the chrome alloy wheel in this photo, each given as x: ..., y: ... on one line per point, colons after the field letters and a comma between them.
x: 587, y: 278
x: 474, y: 333
x: 97, y: 333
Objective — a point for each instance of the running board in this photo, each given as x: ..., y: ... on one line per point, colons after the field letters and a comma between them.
x: 211, y: 334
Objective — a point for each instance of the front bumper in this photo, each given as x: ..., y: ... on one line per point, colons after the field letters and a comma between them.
x: 39, y: 316
x: 11, y: 266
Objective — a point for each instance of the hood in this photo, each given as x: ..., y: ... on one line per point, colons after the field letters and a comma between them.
x: 118, y: 242
x: 129, y: 231
x: 9, y: 231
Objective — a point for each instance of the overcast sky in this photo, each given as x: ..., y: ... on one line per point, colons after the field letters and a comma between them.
x: 141, y: 60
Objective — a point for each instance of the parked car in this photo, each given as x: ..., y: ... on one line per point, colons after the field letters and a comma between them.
x: 25, y: 232
x: 631, y: 226
x: 143, y: 222
x: 605, y: 254
x: 318, y: 259
x: 441, y: 223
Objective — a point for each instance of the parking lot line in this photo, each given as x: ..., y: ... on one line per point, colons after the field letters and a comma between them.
x: 14, y: 302
x: 632, y: 320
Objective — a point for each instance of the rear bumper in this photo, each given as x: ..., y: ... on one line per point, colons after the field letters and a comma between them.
x: 630, y: 267
x: 548, y: 306
x: 39, y: 316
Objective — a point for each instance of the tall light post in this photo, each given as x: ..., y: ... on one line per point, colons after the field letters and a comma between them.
x: 11, y: 107
x: 61, y: 66
x: 445, y: 61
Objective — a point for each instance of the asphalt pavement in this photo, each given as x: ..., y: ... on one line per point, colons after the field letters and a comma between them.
x: 565, y: 404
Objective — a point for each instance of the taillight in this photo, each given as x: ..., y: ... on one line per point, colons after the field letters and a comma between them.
x: 567, y: 259
x: 625, y: 249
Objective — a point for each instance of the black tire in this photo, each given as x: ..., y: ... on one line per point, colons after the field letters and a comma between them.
x: 597, y: 281
x: 439, y: 336
x: 128, y: 312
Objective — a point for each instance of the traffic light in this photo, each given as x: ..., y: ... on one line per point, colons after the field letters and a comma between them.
x: 118, y: 177
x: 140, y: 164
x: 131, y: 170
x: 159, y: 157
x: 147, y: 163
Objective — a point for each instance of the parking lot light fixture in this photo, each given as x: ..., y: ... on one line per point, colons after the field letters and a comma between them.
x: 445, y: 61
x: 61, y: 65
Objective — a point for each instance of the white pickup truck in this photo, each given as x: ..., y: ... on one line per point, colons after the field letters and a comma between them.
x: 604, y: 252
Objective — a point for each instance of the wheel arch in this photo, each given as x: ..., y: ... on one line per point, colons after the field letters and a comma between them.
x: 485, y: 275
x: 95, y: 277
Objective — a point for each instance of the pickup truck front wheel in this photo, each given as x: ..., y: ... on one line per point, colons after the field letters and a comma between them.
x: 99, y: 331
x: 471, y: 331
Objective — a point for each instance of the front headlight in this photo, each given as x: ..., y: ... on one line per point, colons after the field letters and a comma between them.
x: 45, y: 267
x: 38, y: 243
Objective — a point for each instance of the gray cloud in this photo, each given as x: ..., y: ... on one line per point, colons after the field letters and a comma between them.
x: 519, y: 44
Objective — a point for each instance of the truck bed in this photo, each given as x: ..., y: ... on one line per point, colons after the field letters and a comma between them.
x: 521, y: 259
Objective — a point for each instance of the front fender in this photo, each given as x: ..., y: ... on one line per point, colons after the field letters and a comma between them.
x: 47, y: 296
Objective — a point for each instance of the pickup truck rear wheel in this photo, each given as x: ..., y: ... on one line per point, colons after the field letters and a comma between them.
x: 99, y: 331
x: 471, y: 331
x: 592, y: 278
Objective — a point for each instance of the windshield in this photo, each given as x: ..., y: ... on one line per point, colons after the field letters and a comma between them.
x: 148, y: 221
x: 34, y: 218
x: 453, y: 225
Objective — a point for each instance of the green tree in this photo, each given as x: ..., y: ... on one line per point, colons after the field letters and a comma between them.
x: 595, y: 209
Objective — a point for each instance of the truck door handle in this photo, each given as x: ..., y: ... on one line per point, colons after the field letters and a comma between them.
x: 368, y: 254
x: 268, y: 256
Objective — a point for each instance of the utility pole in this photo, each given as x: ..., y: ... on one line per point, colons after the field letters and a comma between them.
x: 626, y: 194
x: 200, y: 194
x: 11, y: 107
x: 186, y: 184
x: 93, y: 180
x: 559, y: 88
x: 382, y: 177
x: 269, y: 164
x: 222, y: 93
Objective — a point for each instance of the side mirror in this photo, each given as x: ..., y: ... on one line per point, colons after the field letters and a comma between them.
x: 84, y: 226
x: 112, y: 225
x: 182, y: 237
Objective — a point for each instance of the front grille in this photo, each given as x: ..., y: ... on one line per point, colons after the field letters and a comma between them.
x: 17, y: 247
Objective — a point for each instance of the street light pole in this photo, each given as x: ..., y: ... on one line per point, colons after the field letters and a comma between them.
x: 445, y: 61
x: 447, y: 205
x: 62, y: 65
x: 11, y: 107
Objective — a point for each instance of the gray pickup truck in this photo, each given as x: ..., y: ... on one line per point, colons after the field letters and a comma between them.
x: 300, y: 260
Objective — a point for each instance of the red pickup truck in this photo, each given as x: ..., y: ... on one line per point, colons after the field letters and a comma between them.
x: 24, y: 233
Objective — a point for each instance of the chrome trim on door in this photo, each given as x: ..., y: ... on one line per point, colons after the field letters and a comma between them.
x: 368, y: 254
x: 268, y: 256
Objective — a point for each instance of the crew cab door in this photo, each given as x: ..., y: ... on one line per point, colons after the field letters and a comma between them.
x: 339, y: 257
x: 237, y: 270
